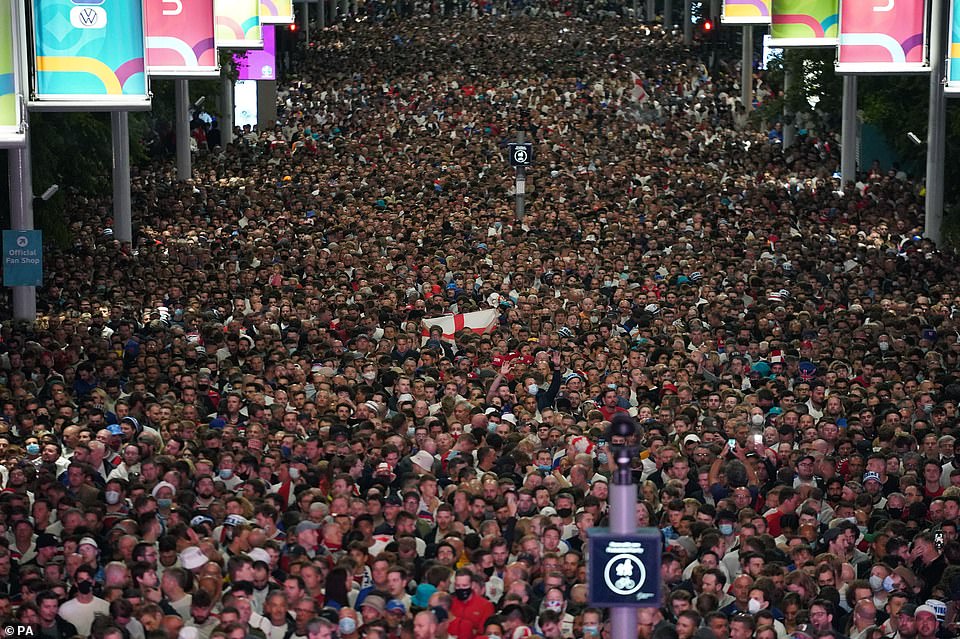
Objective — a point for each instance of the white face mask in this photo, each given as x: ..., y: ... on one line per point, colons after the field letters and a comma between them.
x: 754, y: 606
x: 294, y: 473
x: 756, y: 419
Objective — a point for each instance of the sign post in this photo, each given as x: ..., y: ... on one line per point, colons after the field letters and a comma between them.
x: 623, y: 565
x: 521, y: 156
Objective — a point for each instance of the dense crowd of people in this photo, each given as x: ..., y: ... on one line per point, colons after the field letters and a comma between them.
x: 239, y: 426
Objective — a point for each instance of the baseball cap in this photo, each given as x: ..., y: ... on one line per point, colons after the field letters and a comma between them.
x: 924, y: 608
x: 867, y: 476
x: 307, y: 525
x: 395, y: 605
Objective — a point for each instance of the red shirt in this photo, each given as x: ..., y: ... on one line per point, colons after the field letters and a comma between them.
x: 469, y: 617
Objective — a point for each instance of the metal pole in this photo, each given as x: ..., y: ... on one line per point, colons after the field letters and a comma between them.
x: 789, y: 128
x: 521, y: 185
x: 651, y: 13
x: 623, y: 521
x: 848, y: 132
x: 746, y: 69
x: 122, y: 223
x: 936, y: 126
x: 226, y: 124
x: 667, y: 14
x: 714, y: 10
x: 182, y: 98
x: 306, y: 19
x: 636, y: 9
x: 20, y: 175
x: 687, y: 23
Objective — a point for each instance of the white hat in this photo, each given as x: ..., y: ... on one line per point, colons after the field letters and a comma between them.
x: 235, y: 520
x: 163, y: 484
x: 423, y: 459
x: 509, y: 417
x: 188, y: 632
x: 192, y: 558
x: 88, y: 541
x: 259, y: 554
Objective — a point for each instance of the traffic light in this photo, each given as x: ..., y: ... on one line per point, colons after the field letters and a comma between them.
x: 707, y: 26
x: 293, y: 26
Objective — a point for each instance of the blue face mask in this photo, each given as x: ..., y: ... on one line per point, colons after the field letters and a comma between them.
x: 33, y: 449
x: 725, y: 529
x: 545, y: 467
x: 164, y: 503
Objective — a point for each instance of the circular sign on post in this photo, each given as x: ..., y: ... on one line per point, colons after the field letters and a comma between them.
x: 624, y: 574
x: 520, y: 155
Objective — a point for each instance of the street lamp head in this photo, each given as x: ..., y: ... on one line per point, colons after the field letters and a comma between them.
x: 622, y: 425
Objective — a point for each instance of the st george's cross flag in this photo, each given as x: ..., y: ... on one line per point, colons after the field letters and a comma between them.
x: 479, y: 322
x: 637, y: 93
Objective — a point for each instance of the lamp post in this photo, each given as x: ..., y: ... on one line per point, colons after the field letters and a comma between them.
x: 623, y: 510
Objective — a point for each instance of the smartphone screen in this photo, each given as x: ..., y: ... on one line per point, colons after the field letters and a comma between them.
x: 731, y: 443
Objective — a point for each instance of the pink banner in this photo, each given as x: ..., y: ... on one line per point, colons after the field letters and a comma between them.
x: 260, y: 64
x: 180, y: 38
x: 882, y: 36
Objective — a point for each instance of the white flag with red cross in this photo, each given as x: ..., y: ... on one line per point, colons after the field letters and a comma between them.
x: 479, y: 322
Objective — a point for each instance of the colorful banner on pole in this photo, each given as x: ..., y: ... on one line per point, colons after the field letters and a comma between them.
x: 745, y: 12
x: 12, y: 129
x: 238, y: 24
x: 276, y: 11
x: 882, y: 36
x: 953, y: 51
x: 89, y: 55
x: 804, y: 23
x: 260, y: 64
x: 180, y: 38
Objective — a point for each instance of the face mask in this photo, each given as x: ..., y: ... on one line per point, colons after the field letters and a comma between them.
x: 928, y: 408
x: 895, y: 513
x: 754, y: 606
x: 883, y: 345
x: 85, y: 587
x: 888, y: 584
x: 294, y: 473
x: 113, y: 497
x: 226, y: 473
x: 545, y: 468
x: 488, y: 571
x: 876, y: 583
x: 591, y: 631
x: 564, y: 512
x: 462, y: 593
x: 491, y: 427
x: 533, y: 389
x: 347, y: 626
x: 726, y: 529
x: 756, y: 419
x: 33, y: 449
x: 164, y: 503
x: 556, y: 606
x: 370, y: 376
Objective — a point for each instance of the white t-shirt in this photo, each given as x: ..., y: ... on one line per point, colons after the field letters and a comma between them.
x: 81, y: 614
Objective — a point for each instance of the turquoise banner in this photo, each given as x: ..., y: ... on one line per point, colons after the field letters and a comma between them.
x: 89, y: 53
x: 22, y: 258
